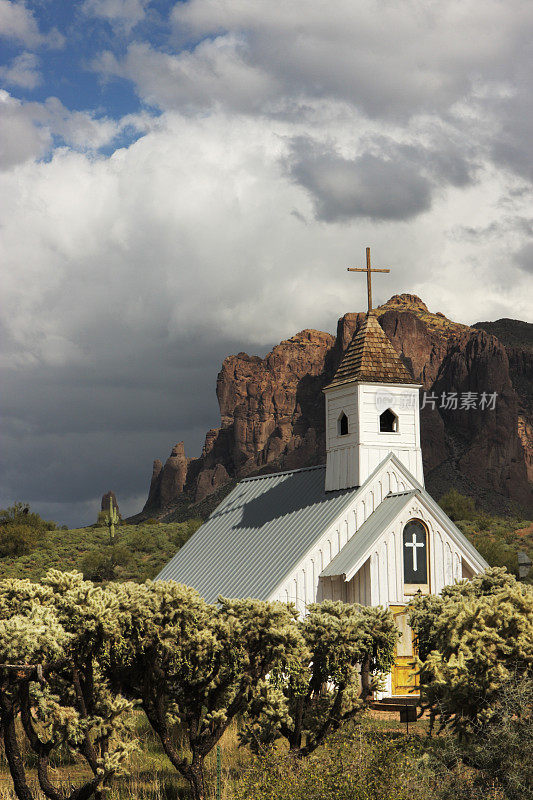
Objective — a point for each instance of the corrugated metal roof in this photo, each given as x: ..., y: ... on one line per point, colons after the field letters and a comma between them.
x: 257, y: 534
x: 371, y: 358
x: 370, y: 530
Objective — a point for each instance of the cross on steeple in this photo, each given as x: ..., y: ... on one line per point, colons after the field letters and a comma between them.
x: 368, y: 271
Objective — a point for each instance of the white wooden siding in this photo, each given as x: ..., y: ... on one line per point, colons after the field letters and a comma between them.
x: 337, y: 534
x: 378, y: 579
x: 353, y: 457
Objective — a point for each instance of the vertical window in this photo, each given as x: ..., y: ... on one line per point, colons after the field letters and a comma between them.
x: 415, y: 568
x: 342, y: 425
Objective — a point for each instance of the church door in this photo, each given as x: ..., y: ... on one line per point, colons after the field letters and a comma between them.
x: 404, y: 680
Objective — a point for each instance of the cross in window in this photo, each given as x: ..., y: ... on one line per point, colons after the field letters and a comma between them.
x: 414, y: 544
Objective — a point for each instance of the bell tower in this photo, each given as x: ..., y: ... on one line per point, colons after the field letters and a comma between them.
x: 372, y: 408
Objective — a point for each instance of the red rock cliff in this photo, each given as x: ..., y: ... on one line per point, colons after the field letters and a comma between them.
x: 272, y: 411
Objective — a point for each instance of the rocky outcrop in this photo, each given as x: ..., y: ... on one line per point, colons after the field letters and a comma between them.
x: 109, y: 496
x: 517, y: 338
x: 168, y: 481
x: 272, y: 410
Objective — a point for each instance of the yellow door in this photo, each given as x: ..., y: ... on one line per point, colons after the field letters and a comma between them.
x: 404, y: 680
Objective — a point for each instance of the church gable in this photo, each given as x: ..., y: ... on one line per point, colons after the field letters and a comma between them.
x: 406, y: 546
x: 300, y: 584
x: 363, y: 532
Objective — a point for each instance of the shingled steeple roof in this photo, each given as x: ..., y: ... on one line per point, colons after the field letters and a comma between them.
x: 371, y: 358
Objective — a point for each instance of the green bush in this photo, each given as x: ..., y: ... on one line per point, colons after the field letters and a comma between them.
x: 185, y: 530
x: 17, y: 539
x: 150, y: 548
x: 349, y: 765
x: 362, y: 762
x: 20, y: 513
x: 472, y: 640
x: 457, y: 505
x: 21, y: 530
x: 497, y: 552
x: 502, y: 750
x: 101, y: 565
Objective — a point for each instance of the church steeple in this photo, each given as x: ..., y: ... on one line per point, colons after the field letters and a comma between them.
x: 371, y: 357
x: 372, y: 408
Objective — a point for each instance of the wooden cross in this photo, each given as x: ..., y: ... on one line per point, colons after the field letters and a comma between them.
x: 368, y: 271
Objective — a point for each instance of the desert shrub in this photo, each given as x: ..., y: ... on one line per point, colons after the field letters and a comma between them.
x: 101, y: 520
x: 147, y: 540
x: 19, y: 513
x: 150, y: 547
x: 351, y: 764
x: 502, y: 750
x: 348, y: 646
x: 20, y: 530
x: 17, y: 539
x: 362, y: 762
x: 483, y: 522
x: 457, y: 505
x: 497, y: 552
x: 64, y: 705
x: 185, y: 530
x: 436, y: 770
x: 196, y: 664
x: 101, y: 565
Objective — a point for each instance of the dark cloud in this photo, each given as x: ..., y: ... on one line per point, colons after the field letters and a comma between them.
x: 509, y: 132
x: 69, y: 433
x: 128, y: 273
x: 367, y: 186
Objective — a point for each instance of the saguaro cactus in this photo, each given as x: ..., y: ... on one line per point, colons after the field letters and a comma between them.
x: 112, y: 518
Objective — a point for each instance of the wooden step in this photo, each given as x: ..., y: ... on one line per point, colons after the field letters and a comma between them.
x: 395, y: 703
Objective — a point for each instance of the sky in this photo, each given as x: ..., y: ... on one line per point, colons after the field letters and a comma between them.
x: 182, y: 181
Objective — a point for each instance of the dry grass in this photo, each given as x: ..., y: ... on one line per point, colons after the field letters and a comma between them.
x: 152, y: 777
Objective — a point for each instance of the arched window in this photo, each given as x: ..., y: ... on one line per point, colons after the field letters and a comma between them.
x: 388, y: 422
x: 415, y: 569
x: 342, y: 425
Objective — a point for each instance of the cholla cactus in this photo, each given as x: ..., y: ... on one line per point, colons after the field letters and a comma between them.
x: 54, y: 642
x: 475, y: 639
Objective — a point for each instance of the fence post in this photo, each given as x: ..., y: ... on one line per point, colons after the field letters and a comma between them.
x: 219, y: 773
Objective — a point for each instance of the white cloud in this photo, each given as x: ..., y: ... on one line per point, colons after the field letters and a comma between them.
x: 198, y: 228
x: 123, y: 15
x: 31, y: 130
x: 459, y: 67
x: 23, y: 71
x: 389, y: 59
x: 20, y: 138
x: 18, y: 22
x: 212, y: 75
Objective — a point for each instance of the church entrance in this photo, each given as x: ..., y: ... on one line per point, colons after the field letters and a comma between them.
x: 404, y: 680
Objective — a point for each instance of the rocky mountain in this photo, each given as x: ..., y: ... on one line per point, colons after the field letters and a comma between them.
x: 517, y: 338
x: 272, y: 409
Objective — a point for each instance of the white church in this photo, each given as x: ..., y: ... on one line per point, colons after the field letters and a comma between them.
x: 360, y: 529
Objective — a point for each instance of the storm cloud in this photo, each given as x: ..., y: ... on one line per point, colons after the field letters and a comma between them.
x: 201, y: 184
